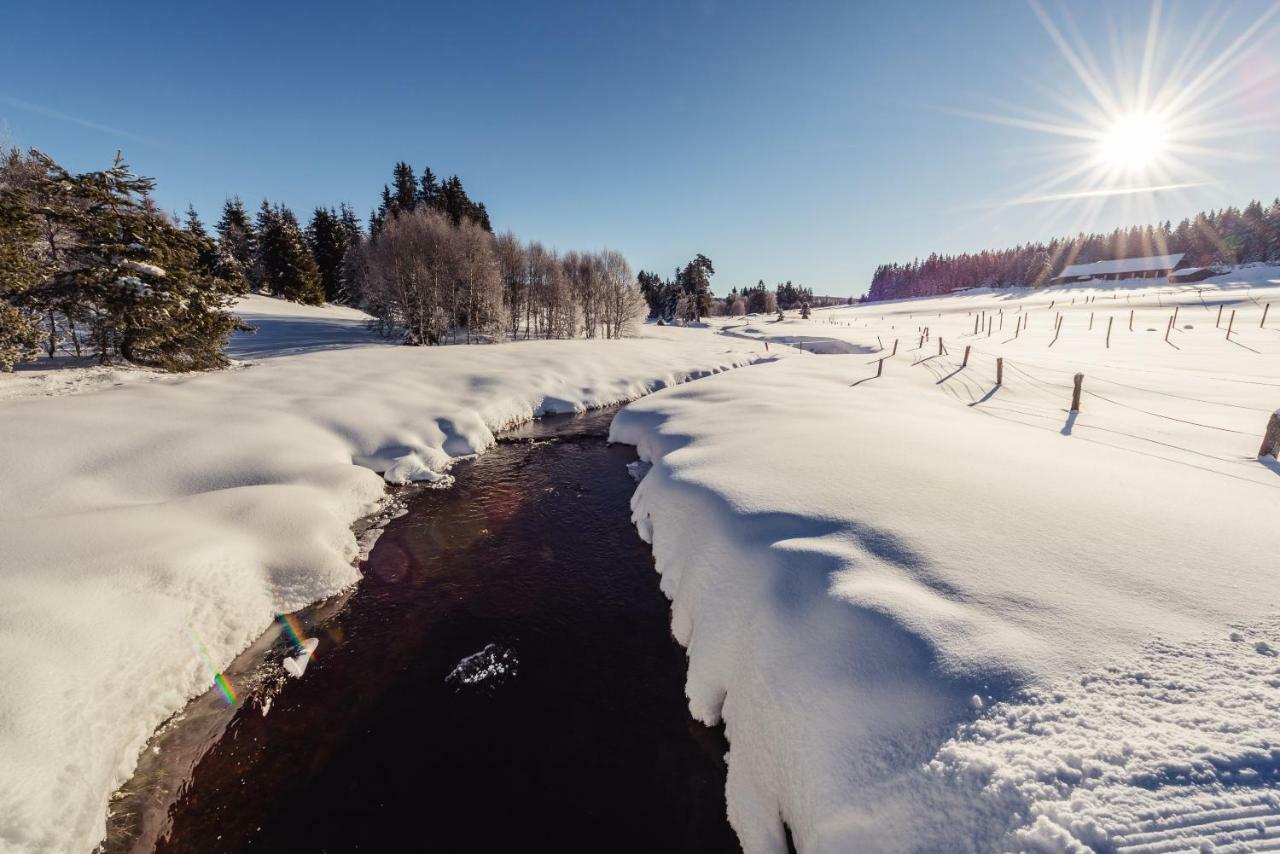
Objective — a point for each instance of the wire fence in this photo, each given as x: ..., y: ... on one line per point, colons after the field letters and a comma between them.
x: 1043, y: 398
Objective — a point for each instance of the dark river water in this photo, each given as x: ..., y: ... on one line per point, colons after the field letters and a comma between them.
x: 568, y: 732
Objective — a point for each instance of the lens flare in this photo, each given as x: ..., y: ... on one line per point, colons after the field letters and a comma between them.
x: 293, y: 629
x: 219, y: 678
x: 1134, y: 143
x: 1129, y: 139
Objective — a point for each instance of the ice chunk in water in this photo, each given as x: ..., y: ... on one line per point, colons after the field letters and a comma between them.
x: 489, y: 668
x: 297, y: 665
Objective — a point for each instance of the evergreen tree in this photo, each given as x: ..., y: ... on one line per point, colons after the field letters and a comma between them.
x: 328, y: 243
x: 285, y: 263
x: 404, y: 197
x: 651, y: 289
x: 694, y: 282
x: 193, y: 223
x: 238, y: 242
x: 429, y: 189
x: 145, y: 288
x: 21, y: 268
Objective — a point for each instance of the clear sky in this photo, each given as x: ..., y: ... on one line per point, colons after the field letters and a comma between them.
x: 802, y: 141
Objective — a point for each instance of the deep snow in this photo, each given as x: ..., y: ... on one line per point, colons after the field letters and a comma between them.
x: 152, y: 532
x: 939, y: 614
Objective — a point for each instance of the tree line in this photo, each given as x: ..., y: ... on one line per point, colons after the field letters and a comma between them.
x: 686, y: 296
x: 432, y: 272
x: 89, y: 265
x: 1223, y: 237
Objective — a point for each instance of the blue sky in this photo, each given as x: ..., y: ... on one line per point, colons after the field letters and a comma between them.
x: 808, y: 142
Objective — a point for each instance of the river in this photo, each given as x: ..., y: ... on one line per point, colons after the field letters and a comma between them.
x: 504, y: 678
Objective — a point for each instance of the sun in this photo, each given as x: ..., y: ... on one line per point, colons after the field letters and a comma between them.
x: 1134, y: 142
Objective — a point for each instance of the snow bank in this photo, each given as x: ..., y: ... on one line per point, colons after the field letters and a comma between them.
x: 145, y: 526
x: 939, y: 614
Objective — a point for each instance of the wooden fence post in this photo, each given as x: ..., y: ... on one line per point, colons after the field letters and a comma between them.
x: 1217, y: 324
x: 999, y: 370
x: 1265, y: 309
x: 1130, y: 320
x: 939, y: 345
x: 895, y: 347
x: 1091, y: 321
x: 1110, y: 320
x: 965, y: 363
x: 880, y: 367
x: 1231, y: 323
x: 1175, y: 313
x: 1271, y: 441
x: 1075, y: 393
x: 1167, y: 329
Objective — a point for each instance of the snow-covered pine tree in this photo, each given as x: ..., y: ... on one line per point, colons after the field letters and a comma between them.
x: 216, y: 255
x: 238, y: 242
x: 21, y: 264
x: 111, y: 260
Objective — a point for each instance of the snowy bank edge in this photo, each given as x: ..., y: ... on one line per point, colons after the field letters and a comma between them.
x: 83, y: 827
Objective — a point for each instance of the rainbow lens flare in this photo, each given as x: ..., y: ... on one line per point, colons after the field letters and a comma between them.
x: 219, y: 678
x: 294, y: 630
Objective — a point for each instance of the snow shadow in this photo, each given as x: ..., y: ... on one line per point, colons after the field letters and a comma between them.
x: 284, y: 335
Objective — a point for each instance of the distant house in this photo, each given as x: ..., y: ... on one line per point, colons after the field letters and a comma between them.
x: 1150, y: 267
x: 1194, y: 274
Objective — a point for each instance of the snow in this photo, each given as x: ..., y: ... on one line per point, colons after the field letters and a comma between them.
x: 1123, y: 265
x: 285, y: 328
x: 64, y: 375
x: 934, y: 613
x: 143, y: 267
x: 145, y: 524
x: 282, y: 329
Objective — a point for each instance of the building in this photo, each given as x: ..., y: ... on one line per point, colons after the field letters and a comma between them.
x: 1194, y: 274
x: 1150, y: 267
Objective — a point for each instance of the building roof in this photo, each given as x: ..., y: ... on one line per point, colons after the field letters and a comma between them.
x: 1123, y: 265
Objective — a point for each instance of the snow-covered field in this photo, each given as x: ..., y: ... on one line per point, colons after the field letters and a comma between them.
x: 152, y: 530
x: 934, y: 613
x: 939, y: 614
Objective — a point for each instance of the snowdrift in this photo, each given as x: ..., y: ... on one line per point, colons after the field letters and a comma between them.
x: 150, y: 533
x: 935, y: 613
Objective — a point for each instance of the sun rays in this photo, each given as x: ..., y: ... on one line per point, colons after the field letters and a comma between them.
x: 1169, y: 105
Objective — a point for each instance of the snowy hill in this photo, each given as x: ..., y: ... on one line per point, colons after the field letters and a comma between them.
x: 936, y: 613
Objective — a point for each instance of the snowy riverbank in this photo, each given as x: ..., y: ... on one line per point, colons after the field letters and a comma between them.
x: 152, y: 532
x: 939, y: 614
